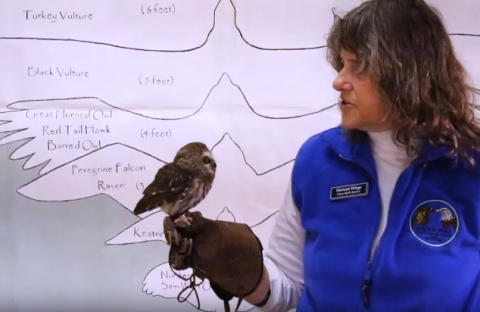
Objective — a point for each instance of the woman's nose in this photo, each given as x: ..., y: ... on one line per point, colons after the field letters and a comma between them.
x: 341, y: 83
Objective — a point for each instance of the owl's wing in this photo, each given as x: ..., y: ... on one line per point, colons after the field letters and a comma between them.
x: 169, y: 185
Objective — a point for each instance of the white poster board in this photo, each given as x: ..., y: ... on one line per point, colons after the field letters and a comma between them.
x: 107, y: 91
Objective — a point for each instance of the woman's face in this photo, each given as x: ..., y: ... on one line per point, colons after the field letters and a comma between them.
x: 360, y: 102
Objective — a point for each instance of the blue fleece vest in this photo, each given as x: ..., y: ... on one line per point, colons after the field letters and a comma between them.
x: 429, y: 256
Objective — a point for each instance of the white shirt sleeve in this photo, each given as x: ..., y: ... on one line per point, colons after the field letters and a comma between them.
x: 283, y: 258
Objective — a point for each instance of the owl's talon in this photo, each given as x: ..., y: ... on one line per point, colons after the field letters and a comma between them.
x: 183, y: 221
x: 177, y: 262
x: 173, y: 237
x: 169, y: 230
x: 168, y: 224
x: 185, y: 246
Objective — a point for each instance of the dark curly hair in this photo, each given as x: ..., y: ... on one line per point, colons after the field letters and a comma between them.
x: 404, y: 46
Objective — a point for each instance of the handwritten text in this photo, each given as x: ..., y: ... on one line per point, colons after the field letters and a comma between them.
x: 36, y: 71
x: 69, y: 114
x: 114, y: 169
x: 55, y: 16
x: 157, y: 9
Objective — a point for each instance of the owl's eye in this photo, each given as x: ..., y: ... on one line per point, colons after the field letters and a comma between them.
x: 206, y: 160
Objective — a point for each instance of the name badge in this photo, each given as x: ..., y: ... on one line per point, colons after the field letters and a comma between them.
x: 349, y: 191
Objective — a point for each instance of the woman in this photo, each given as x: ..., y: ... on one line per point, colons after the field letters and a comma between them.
x: 382, y: 213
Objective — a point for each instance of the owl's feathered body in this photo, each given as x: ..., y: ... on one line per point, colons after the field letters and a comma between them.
x: 182, y: 184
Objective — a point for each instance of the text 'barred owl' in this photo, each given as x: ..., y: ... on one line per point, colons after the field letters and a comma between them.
x: 182, y: 184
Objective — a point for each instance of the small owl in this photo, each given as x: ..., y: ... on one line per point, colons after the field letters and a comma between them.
x: 182, y: 184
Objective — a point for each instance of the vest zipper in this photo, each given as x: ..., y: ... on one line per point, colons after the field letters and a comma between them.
x: 367, y: 281
x: 368, y: 277
x: 366, y: 285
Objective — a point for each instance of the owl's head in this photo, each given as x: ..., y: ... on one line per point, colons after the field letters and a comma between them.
x: 196, y: 158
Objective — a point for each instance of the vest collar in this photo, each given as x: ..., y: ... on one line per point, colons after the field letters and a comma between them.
x: 352, y: 151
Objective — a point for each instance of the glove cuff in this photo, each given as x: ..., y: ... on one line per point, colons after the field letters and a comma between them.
x: 264, y: 301
x: 258, y: 282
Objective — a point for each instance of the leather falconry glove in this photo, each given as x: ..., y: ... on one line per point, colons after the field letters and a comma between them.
x: 228, y: 254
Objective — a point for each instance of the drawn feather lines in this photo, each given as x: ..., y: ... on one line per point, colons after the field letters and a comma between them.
x: 198, y: 23
x: 123, y: 172
x: 60, y: 130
